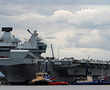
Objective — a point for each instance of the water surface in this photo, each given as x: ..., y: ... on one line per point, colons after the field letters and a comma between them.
x: 69, y: 87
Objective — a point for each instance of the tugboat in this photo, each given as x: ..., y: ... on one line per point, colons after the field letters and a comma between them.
x: 41, y: 79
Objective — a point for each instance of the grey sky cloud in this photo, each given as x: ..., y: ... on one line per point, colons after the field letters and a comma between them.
x: 81, y: 24
x: 57, y: 1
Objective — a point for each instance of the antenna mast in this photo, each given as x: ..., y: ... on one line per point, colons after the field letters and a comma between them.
x: 52, y: 51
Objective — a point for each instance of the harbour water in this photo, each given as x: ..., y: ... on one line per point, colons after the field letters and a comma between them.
x: 69, y: 87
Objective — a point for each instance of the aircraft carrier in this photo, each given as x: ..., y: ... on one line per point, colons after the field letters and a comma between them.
x: 20, y: 61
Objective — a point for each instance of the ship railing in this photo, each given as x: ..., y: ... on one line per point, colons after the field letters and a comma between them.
x: 95, y: 61
x: 85, y: 61
x: 91, y: 61
x: 7, y: 44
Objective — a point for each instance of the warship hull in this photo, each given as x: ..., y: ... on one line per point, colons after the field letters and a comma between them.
x: 20, y: 73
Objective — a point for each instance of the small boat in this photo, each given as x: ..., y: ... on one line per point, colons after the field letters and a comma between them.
x: 45, y: 79
x: 98, y: 82
x: 89, y: 81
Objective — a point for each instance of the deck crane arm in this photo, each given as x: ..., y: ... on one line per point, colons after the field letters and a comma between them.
x: 29, y: 31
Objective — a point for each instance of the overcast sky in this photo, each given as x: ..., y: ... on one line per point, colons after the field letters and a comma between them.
x: 79, y: 28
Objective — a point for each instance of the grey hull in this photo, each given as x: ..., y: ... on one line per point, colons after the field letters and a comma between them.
x: 20, y: 73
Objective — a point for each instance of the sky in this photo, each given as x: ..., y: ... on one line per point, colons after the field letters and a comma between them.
x: 76, y: 28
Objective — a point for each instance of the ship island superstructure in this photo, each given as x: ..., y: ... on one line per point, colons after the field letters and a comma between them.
x: 19, y: 62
